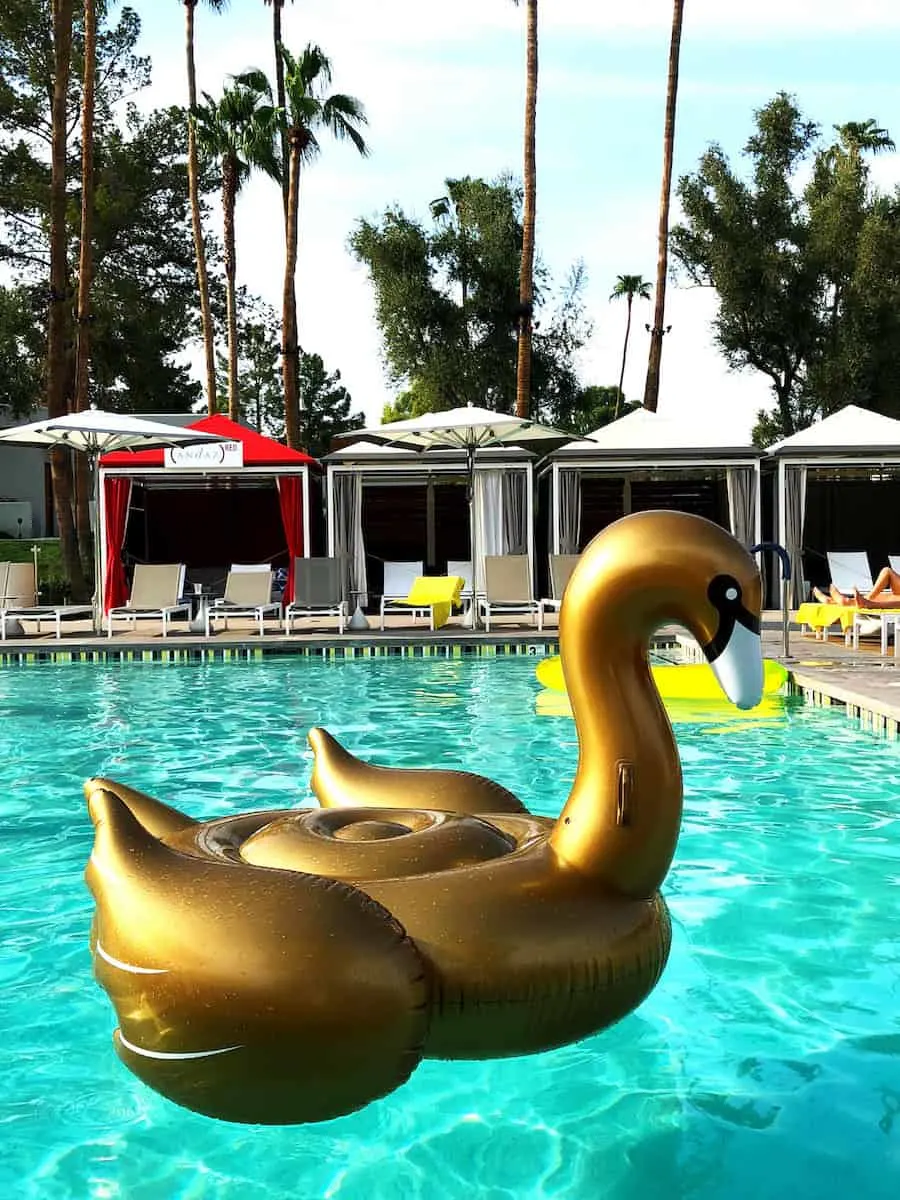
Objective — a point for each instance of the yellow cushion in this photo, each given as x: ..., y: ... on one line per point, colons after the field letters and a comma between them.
x: 820, y: 616
x: 438, y: 592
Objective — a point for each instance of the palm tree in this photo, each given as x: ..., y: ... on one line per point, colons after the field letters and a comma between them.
x: 858, y: 136
x: 241, y: 131
x: 85, y: 271
x: 628, y: 286
x: 526, y: 267
x: 277, y: 6
x: 289, y: 319
x: 194, y: 192
x: 306, y: 111
x: 657, y: 330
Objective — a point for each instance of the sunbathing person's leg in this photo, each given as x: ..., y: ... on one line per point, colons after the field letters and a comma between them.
x: 833, y: 596
x: 888, y: 581
x: 885, y: 600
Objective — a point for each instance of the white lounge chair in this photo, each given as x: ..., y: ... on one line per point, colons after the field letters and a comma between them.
x: 561, y: 567
x: 318, y: 591
x: 398, y: 579
x: 507, y: 588
x: 19, y: 600
x: 463, y: 568
x: 155, y: 592
x: 850, y: 570
x: 248, y: 593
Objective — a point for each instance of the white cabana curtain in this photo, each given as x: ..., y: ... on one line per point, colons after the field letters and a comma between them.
x: 794, y: 500
x: 741, y: 485
x: 514, y: 513
x: 569, y: 501
x: 487, y: 519
x: 349, y: 544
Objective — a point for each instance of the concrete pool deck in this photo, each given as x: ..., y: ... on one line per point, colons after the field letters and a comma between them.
x: 863, y: 681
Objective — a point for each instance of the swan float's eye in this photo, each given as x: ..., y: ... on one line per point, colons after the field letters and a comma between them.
x: 725, y: 593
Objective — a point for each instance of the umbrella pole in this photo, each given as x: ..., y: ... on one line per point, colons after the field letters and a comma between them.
x: 98, y: 583
x: 473, y: 530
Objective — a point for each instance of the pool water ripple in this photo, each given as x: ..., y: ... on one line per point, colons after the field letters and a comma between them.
x: 766, y: 1063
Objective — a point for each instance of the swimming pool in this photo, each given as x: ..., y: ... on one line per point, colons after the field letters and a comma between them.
x: 765, y: 1063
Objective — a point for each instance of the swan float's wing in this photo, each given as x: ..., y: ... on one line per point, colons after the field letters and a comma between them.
x: 251, y: 995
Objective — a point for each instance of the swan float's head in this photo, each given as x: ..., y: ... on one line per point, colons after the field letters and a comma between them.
x: 656, y: 568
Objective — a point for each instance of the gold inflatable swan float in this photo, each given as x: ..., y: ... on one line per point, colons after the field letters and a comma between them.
x: 290, y: 966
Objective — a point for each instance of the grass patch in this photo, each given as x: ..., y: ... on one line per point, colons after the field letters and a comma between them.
x: 51, y: 575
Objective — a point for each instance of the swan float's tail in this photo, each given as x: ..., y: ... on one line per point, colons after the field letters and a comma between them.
x: 340, y: 780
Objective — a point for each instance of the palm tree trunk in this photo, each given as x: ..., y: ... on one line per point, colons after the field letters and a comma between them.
x: 196, y: 219
x: 289, y: 348
x: 85, y: 274
x: 277, y: 6
x: 58, y: 317
x: 229, y: 196
x: 289, y: 301
x: 621, y: 395
x: 526, y: 267
x: 651, y: 387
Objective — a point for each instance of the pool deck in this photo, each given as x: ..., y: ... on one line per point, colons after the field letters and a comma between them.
x: 864, y: 682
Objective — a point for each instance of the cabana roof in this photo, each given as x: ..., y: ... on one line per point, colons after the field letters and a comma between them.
x: 257, y: 451
x: 646, y: 437
x: 375, y: 452
x: 851, y: 432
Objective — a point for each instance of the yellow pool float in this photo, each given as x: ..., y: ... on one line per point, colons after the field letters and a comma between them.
x: 290, y: 966
x: 675, y: 681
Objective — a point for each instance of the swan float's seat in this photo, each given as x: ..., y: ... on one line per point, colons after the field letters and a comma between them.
x: 292, y: 966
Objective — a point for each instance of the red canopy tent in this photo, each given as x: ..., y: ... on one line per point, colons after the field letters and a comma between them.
x: 192, y: 484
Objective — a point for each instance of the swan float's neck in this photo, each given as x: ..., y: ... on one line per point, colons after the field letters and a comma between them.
x: 621, y: 821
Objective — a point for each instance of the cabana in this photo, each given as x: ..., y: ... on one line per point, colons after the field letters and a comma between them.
x: 644, y: 461
x: 385, y: 503
x: 243, y: 500
x: 838, y: 488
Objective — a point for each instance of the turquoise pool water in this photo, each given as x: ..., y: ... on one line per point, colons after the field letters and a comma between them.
x: 766, y: 1063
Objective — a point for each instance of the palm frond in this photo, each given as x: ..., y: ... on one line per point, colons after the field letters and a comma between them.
x: 254, y: 80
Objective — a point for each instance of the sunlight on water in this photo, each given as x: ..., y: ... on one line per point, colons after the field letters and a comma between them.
x: 766, y: 1063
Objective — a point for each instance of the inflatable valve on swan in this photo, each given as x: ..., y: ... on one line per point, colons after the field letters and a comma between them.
x: 291, y: 966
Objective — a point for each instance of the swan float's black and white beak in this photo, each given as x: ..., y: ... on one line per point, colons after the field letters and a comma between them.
x: 735, y: 651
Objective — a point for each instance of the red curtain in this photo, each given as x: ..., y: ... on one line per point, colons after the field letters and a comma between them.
x: 290, y: 497
x: 116, y: 494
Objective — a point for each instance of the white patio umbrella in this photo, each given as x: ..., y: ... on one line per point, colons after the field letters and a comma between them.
x: 95, y: 432
x: 468, y: 429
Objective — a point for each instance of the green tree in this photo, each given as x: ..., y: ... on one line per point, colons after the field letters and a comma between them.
x: 308, y: 112
x: 807, y: 282
x: 21, y: 349
x: 628, y: 286
x: 327, y: 404
x: 143, y: 312
x: 206, y: 321
x: 258, y: 366
x: 240, y: 132
x: 659, y: 328
x: 599, y: 406
x: 447, y: 297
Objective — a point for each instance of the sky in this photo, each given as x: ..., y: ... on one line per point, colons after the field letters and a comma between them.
x: 443, y: 86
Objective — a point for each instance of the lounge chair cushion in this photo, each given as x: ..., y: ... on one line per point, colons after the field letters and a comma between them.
x: 439, y: 593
